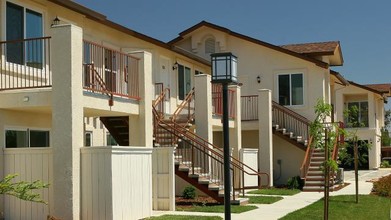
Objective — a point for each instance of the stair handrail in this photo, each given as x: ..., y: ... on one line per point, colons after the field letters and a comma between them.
x: 187, y: 101
x: 159, y: 100
x: 340, y: 140
x: 102, y: 84
x: 307, y: 158
x: 182, y: 132
x: 293, y: 122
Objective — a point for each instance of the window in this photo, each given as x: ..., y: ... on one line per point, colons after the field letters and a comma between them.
x: 290, y: 89
x: 210, y: 45
x: 110, y: 141
x: 22, y: 138
x: 88, y: 139
x: 184, y: 81
x: 357, y: 114
x: 21, y: 24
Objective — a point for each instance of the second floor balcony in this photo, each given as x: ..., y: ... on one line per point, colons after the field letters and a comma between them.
x: 26, y: 64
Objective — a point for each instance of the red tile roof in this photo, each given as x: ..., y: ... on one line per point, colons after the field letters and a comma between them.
x: 318, y: 48
x: 384, y: 88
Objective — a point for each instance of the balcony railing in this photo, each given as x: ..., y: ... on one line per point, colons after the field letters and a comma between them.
x: 249, y: 107
x: 217, y: 101
x: 109, y: 71
x: 25, y: 63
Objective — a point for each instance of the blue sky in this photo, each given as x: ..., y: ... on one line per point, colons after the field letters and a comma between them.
x: 363, y: 27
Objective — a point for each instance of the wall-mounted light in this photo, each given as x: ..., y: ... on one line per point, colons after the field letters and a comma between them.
x: 56, y: 21
x: 26, y: 99
x: 175, y: 65
x: 259, y: 79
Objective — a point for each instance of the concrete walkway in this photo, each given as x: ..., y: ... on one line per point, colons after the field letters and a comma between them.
x: 292, y: 203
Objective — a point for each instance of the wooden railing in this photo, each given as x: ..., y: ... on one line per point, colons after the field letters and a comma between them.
x: 292, y: 121
x: 249, y: 107
x: 310, y: 149
x: 204, y: 155
x: 25, y: 63
x: 187, y: 105
x: 307, y: 159
x: 118, y: 71
x: 217, y: 101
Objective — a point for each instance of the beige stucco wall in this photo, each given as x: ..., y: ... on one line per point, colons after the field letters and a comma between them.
x: 291, y: 159
x: 255, y: 60
x: 375, y: 118
x: 250, y: 139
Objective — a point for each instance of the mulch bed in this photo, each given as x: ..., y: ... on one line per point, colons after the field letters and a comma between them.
x: 199, y: 200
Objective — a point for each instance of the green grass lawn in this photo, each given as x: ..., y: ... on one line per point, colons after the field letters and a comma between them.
x: 217, y: 208
x: 345, y: 207
x: 275, y: 191
x: 185, y: 217
x: 263, y: 199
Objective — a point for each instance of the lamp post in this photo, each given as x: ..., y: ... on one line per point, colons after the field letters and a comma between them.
x: 224, y: 71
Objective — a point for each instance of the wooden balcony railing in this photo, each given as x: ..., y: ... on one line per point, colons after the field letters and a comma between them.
x: 217, y: 101
x: 292, y: 121
x: 118, y: 71
x: 25, y: 63
x: 249, y: 107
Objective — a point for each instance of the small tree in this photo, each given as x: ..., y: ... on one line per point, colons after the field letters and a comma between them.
x: 385, y: 131
x: 22, y: 190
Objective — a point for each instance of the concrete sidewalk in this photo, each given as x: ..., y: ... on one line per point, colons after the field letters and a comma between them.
x: 292, y: 203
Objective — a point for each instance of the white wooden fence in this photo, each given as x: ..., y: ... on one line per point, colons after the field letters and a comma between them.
x: 31, y: 164
x: 116, y: 182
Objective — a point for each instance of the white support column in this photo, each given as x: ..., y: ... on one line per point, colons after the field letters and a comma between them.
x: 67, y: 119
x: 203, y: 106
x: 265, y: 155
x: 236, y: 132
x: 141, y: 126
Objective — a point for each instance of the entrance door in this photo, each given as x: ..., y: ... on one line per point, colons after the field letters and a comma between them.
x: 164, y: 77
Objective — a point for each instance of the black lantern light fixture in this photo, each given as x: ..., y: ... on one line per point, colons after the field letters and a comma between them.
x: 175, y: 66
x: 259, y: 79
x: 56, y: 21
x: 224, y: 68
x: 224, y: 71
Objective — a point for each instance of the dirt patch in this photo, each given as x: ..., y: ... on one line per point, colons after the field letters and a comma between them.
x: 341, y: 186
x: 198, y: 201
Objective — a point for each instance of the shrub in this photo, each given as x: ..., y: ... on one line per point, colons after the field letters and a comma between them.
x: 189, y: 192
x: 383, y: 186
x: 385, y: 164
x: 295, y: 183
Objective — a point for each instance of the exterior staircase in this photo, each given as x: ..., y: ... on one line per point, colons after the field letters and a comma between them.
x: 314, y: 182
x: 290, y: 126
x: 196, y: 161
x: 311, y: 169
x: 118, y: 128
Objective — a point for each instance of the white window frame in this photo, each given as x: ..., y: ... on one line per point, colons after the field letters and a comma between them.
x: 27, y: 129
x: 91, y: 138
x: 22, y: 67
x: 192, y: 72
x: 359, y: 112
x: 290, y: 85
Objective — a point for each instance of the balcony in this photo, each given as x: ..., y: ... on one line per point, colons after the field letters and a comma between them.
x: 217, y: 101
x: 25, y: 63
x: 110, y: 72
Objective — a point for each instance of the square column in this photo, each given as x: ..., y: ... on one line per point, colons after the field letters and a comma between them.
x: 235, y: 137
x: 141, y: 125
x: 265, y: 155
x: 67, y: 119
x: 203, y: 106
